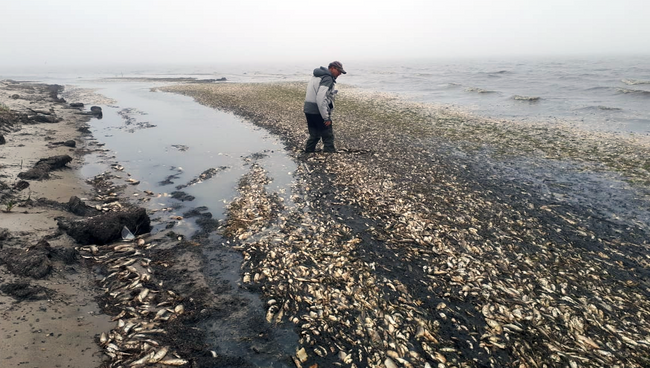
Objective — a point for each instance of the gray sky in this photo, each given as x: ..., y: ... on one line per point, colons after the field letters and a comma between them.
x: 92, y: 32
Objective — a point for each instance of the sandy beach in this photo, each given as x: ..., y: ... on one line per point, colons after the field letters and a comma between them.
x: 432, y: 238
x: 49, y: 317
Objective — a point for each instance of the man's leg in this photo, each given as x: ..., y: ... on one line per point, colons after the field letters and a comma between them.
x: 312, y: 141
x: 314, y: 123
x: 328, y: 139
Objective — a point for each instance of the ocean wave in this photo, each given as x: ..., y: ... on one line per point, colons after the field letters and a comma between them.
x: 634, y: 82
x: 479, y: 90
x: 601, y: 107
x: 606, y: 108
x: 634, y: 91
x: 597, y: 88
x: 501, y: 72
x: 526, y: 98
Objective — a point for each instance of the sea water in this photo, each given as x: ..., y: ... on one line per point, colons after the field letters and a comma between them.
x: 598, y: 93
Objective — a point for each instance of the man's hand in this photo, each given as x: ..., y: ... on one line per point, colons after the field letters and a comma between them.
x: 328, y: 123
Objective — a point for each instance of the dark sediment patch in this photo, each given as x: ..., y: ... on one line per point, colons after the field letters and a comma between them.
x: 207, y: 174
x: 69, y: 143
x: 182, y: 196
x: 75, y: 206
x: 21, y: 185
x: 22, y: 291
x: 204, y: 221
x: 78, y: 207
x: 168, y: 180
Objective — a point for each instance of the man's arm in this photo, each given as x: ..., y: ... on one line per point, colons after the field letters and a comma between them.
x: 321, y: 99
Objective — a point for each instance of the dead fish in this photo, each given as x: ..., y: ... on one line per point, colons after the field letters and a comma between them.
x: 389, y: 363
x: 302, y: 355
x: 174, y: 362
x: 143, y: 294
x: 142, y: 361
x: 159, y: 355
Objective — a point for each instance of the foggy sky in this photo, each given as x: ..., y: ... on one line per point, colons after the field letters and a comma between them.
x: 91, y: 32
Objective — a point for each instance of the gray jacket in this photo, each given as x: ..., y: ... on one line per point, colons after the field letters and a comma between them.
x: 320, y: 94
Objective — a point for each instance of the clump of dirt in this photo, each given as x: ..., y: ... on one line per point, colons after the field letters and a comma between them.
x: 42, y: 168
x: 78, y: 207
x: 24, y: 291
x: 104, y: 229
x: 32, y: 262
x: 4, y: 235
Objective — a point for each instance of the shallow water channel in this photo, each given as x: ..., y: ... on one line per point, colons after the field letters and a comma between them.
x: 164, y: 140
x: 155, y: 135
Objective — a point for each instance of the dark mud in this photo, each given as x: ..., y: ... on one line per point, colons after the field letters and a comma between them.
x: 238, y: 328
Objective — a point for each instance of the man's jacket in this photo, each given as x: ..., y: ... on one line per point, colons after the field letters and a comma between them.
x: 320, y: 94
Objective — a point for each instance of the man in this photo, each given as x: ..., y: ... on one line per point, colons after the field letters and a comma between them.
x: 319, y: 103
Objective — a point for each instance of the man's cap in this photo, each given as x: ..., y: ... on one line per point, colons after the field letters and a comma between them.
x: 338, y: 66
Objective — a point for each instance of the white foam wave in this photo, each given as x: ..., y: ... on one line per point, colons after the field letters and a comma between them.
x: 479, y: 90
x: 634, y: 82
x: 634, y: 91
x: 526, y: 98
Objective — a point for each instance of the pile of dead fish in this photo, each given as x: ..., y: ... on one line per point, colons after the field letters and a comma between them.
x: 310, y: 273
x: 144, y: 306
x: 141, y: 304
x: 405, y: 263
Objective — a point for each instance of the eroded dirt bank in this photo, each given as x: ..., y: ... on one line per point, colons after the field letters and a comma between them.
x: 436, y: 238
